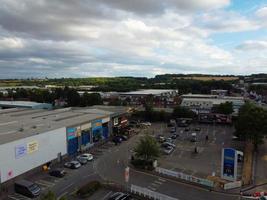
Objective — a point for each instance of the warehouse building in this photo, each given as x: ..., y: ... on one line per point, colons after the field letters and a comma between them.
x: 160, y: 97
x: 31, y: 138
x: 201, y: 103
x: 25, y: 104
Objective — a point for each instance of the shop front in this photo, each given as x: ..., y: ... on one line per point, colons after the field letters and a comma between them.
x: 119, y: 123
x: 97, y: 130
x: 73, y: 140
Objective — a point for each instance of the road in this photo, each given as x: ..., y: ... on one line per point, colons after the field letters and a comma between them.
x: 111, y: 166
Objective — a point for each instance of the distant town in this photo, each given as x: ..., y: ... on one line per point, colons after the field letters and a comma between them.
x: 134, y: 138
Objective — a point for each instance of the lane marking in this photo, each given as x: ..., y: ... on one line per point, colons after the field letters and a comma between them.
x: 107, y: 195
x: 62, y: 195
x: 63, y: 189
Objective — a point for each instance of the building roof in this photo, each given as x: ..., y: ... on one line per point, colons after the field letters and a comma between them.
x: 147, y: 92
x: 24, y: 104
x: 18, y: 123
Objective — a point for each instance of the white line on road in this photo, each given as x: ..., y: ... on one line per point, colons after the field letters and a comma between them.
x: 89, y: 175
x: 62, y: 195
x: 66, y: 187
x: 107, y: 195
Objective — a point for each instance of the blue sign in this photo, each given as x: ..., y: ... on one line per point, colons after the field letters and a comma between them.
x: 71, y: 133
x: 20, y: 151
x: 97, y: 125
x: 229, y: 165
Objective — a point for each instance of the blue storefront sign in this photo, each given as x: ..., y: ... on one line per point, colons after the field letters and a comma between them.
x: 97, y: 124
x: 229, y: 164
x: 71, y: 133
x: 20, y: 151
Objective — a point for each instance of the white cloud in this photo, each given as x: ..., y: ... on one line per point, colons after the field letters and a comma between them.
x: 262, y: 12
x: 11, y: 43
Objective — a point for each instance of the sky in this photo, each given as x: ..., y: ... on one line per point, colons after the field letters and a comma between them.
x: 86, y: 38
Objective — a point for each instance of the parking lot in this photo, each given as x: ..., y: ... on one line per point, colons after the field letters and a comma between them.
x: 207, y: 160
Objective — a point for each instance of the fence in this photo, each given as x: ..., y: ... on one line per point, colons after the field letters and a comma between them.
x: 149, y: 193
x: 185, y: 177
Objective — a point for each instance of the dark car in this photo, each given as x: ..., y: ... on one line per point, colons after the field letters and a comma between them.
x: 197, y: 129
x: 117, y: 139
x: 82, y: 160
x: 27, y: 188
x: 57, y: 173
x: 174, y: 136
x: 123, y: 137
x: 187, y: 129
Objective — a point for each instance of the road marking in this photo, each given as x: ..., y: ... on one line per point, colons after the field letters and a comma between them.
x: 158, y: 182
x: 186, y: 184
x: 17, y: 196
x: 107, y: 195
x: 62, y: 195
x: 89, y: 175
x: 45, y: 183
x: 151, y: 188
x: 66, y: 187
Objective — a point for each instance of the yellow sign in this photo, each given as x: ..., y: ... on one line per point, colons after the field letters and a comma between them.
x: 32, y: 147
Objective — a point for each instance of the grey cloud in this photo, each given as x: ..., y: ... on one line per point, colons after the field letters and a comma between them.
x: 252, y: 45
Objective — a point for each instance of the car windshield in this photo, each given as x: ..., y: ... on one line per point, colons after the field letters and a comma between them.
x: 33, y: 187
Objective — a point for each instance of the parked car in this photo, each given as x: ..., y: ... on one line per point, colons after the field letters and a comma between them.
x: 173, y: 129
x: 168, y: 150
x: 161, y: 138
x: 57, y: 173
x: 88, y: 156
x: 167, y: 144
x: 123, y: 137
x: 169, y: 140
x: 72, y: 164
x: 187, y: 129
x: 27, y: 188
x: 193, y: 137
x: 117, y: 139
x: 174, y: 136
x: 197, y: 129
x: 145, y: 123
x: 81, y: 160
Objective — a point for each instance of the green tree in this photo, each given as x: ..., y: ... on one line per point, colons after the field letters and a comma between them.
x: 251, y: 124
x: 224, y: 108
x: 147, y: 148
x: 182, y: 112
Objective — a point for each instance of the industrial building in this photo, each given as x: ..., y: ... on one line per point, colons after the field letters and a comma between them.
x: 25, y: 104
x: 31, y: 138
x: 160, y: 97
x: 201, y: 103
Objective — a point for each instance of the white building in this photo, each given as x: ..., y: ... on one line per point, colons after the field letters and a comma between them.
x: 31, y: 138
x: 204, y: 103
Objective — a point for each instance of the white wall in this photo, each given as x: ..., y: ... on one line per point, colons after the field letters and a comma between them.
x: 49, y: 145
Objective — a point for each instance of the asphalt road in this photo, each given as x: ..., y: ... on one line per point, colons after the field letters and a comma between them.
x: 111, y: 167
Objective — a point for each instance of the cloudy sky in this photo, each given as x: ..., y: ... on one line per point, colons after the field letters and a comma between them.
x: 80, y: 38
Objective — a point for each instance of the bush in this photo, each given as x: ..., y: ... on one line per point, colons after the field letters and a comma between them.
x: 89, y: 189
x: 142, y: 164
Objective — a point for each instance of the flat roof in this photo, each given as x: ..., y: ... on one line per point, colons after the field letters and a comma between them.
x: 147, y: 92
x: 20, y: 103
x: 19, y: 123
x: 215, y: 101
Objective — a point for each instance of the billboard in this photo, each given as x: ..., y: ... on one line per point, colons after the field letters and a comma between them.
x: 229, y: 164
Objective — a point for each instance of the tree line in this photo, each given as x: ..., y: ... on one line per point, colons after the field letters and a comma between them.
x: 69, y: 95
